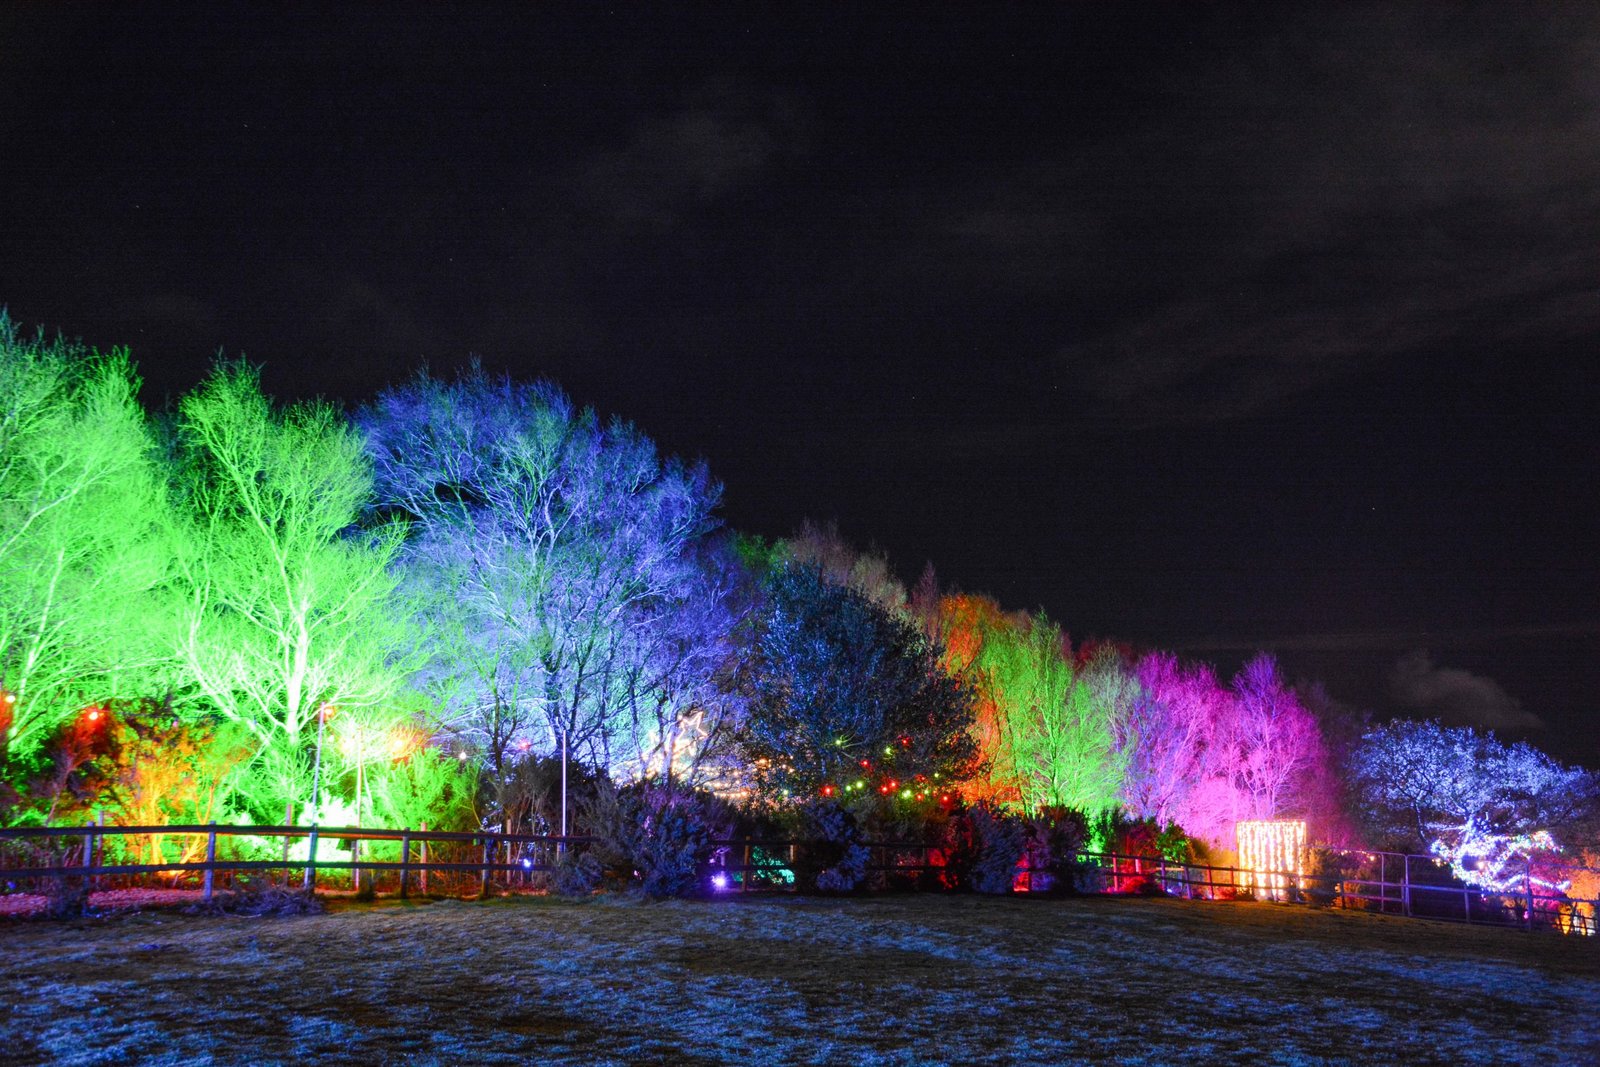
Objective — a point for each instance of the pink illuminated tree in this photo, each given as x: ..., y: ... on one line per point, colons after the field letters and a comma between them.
x: 1172, y: 721
x: 1272, y: 744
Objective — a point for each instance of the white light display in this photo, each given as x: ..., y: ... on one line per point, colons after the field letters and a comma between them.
x: 1272, y: 856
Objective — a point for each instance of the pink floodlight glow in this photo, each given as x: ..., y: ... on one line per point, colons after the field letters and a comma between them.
x: 1272, y: 856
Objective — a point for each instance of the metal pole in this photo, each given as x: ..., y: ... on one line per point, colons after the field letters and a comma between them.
x: 563, y: 790
x: 1527, y: 889
x: 316, y: 768
x: 211, y: 861
x: 424, y: 860
x: 405, y: 862
x: 311, y: 860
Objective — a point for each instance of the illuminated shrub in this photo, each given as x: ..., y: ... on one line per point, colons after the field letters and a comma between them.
x: 577, y: 874
x: 663, y: 834
x: 833, y: 858
x: 984, y: 848
x: 1056, y: 837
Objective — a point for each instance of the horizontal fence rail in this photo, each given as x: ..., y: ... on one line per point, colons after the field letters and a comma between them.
x: 79, y: 853
x: 1399, y: 884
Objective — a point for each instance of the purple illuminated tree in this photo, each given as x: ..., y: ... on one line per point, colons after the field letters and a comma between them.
x: 1172, y: 722
x: 1272, y: 742
x: 1206, y: 757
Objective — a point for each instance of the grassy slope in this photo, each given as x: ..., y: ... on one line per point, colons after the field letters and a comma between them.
x: 894, y: 980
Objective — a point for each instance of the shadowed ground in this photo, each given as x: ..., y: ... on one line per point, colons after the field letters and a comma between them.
x: 904, y: 980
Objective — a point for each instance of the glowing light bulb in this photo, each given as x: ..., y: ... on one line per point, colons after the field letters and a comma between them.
x: 94, y: 715
x: 461, y: 755
x: 719, y: 881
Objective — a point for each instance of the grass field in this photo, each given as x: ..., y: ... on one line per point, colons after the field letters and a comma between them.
x: 900, y: 980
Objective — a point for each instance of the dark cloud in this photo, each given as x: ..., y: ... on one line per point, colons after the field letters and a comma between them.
x: 1346, y: 195
x: 724, y: 136
x: 1381, y: 640
x: 1456, y: 696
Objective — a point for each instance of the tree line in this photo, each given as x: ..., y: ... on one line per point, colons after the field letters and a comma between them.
x: 419, y: 605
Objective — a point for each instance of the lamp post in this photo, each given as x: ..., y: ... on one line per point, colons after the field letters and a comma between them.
x: 564, y: 790
x: 324, y: 713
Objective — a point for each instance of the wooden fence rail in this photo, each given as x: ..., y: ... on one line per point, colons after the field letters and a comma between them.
x: 415, y: 855
x: 770, y: 864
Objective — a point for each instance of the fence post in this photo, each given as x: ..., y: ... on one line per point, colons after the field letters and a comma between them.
x: 1527, y: 890
x: 744, y: 876
x: 424, y: 859
x: 405, y: 863
x: 211, y: 861
x: 88, y: 850
x: 1405, y: 885
x: 288, y: 820
x: 488, y: 853
x: 311, y: 860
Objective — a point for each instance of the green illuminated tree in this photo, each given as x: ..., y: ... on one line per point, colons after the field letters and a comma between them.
x: 282, y: 603
x: 79, y: 497
x: 1059, y: 729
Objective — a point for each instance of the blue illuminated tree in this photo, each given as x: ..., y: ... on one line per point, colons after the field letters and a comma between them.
x: 556, y: 560
x: 849, y: 696
x: 1463, y: 794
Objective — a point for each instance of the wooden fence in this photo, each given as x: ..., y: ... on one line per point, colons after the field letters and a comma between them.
x: 1392, y: 883
x: 79, y: 852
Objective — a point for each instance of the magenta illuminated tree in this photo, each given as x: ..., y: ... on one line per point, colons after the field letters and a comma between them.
x: 1206, y: 757
x: 1272, y: 743
x: 1173, y: 722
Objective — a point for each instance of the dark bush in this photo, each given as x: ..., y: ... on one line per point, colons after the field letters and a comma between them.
x: 1055, y: 838
x: 260, y: 897
x: 999, y: 840
x: 662, y: 834
x: 833, y: 859
x: 577, y: 874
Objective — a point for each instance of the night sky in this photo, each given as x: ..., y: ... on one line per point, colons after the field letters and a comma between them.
x: 1205, y: 328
